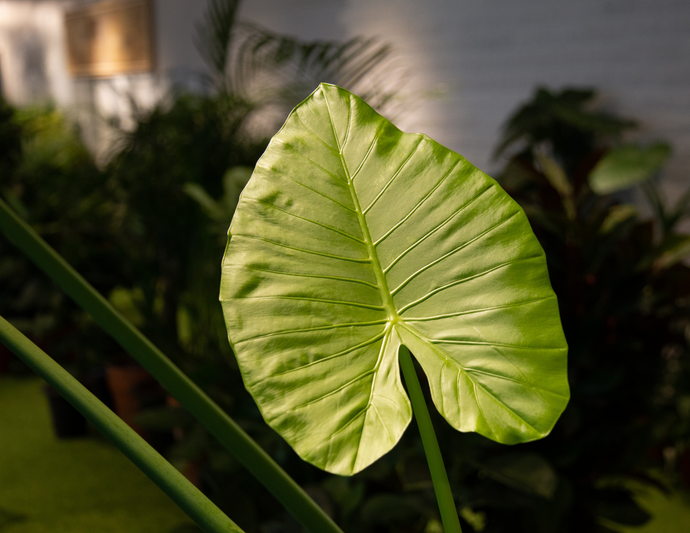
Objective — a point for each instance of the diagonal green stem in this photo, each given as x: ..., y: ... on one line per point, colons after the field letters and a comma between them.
x: 224, y: 428
x: 197, y: 506
x: 444, y: 496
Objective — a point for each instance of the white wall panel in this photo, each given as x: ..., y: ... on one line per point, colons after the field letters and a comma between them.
x: 487, y: 56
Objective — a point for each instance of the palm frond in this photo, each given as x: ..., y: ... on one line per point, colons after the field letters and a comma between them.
x: 214, y: 35
x: 297, y: 66
x: 274, y: 72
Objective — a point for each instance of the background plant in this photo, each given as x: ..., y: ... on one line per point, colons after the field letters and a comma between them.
x: 49, y: 177
x: 142, y: 229
x: 622, y: 290
x: 619, y: 276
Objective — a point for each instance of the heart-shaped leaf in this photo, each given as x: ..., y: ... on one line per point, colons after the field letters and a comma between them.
x: 352, y: 238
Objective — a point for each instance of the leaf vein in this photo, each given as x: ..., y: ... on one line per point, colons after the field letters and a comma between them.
x: 304, y: 250
x: 335, y: 151
x: 291, y: 149
x: 323, y: 194
x: 334, y: 391
x: 463, y: 280
x: 461, y: 368
x: 316, y: 300
x: 336, y: 433
x: 434, y: 230
x: 505, y: 406
x: 316, y: 328
x: 486, y: 343
x: 520, y: 382
x: 454, y: 250
x: 349, y: 120
x: 383, y: 423
x: 302, y: 275
x: 382, y: 350
x: 327, y: 358
x: 479, y: 406
x: 315, y: 222
x: 330, y: 118
x: 368, y: 153
x: 475, y: 311
x: 395, y: 175
x: 419, y: 204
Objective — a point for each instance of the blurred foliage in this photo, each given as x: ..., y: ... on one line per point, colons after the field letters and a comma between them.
x: 148, y: 230
x: 623, y: 294
x: 171, y: 252
x: 275, y: 72
x: 622, y: 291
x: 49, y: 178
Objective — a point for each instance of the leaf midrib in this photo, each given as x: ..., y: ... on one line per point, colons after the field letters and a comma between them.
x: 386, y: 297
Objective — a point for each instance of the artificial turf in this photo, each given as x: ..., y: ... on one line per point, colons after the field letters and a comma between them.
x: 69, y: 486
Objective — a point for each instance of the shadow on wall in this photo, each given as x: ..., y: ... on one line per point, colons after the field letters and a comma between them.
x: 29, y: 47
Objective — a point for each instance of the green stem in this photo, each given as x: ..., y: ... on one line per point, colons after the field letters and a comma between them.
x: 197, y: 506
x: 230, y: 435
x: 444, y: 496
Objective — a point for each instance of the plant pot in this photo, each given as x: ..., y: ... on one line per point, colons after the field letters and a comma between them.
x: 125, y: 384
x: 68, y: 423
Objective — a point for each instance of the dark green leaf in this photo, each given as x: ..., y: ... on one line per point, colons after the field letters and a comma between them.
x: 623, y: 167
x: 619, y: 506
x: 616, y: 216
x: 527, y: 472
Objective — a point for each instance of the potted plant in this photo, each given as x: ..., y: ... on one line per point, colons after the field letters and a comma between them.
x: 506, y: 386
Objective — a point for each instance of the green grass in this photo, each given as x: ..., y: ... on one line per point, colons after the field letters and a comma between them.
x: 86, y: 485
x: 81, y: 485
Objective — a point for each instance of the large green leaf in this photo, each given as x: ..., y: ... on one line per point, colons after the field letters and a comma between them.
x: 352, y: 238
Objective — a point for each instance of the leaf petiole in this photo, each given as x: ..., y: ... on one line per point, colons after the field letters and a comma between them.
x: 444, y: 495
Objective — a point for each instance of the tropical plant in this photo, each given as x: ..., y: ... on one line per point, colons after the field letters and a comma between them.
x: 178, y: 174
x: 164, y: 201
x: 274, y: 70
x: 495, y: 388
x: 49, y: 177
x: 354, y: 242
x: 622, y: 289
x: 137, y: 229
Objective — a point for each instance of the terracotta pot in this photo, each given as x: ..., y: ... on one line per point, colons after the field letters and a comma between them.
x: 125, y: 384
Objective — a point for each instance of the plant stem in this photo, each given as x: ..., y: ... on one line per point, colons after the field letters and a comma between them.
x: 197, y: 506
x: 444, y: 496
x: 229, y: 434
